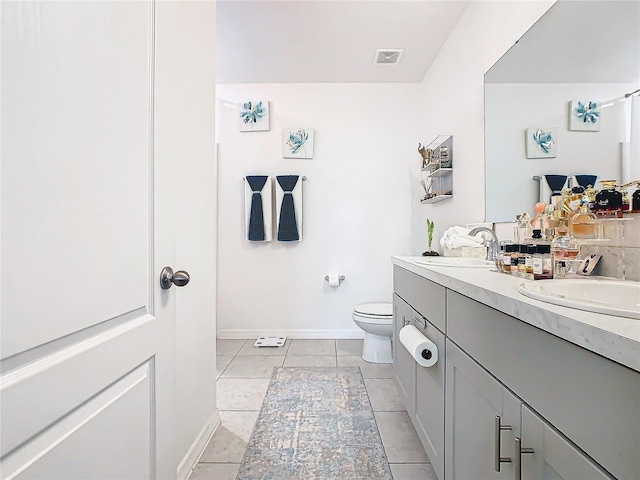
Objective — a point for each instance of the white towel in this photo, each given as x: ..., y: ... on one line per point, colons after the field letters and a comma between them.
x: 266, y: 208
x: 457, y: 236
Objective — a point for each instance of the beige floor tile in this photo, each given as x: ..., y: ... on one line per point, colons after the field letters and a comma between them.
x: 312, y: 347
x: 384, y: 395
x: 249, y: 349
x: 401, y: 443
x: 413, y: 471
x: 222, y: 362
x: 230, y: 438
x: 229, y: 347
x: 349, y: 347
x: 369, y: 370
x: 252, y: 366
x: 309, y: 361
x: 241, y: 393
x: 215, y: 471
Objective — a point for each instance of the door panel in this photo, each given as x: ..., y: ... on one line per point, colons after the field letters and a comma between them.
x: 553, y: 457
x: 56, y: 449
x: 88, y: 336
x: 76, y: 162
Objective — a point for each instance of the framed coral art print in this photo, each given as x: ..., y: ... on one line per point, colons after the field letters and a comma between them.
x: 297, y: 142
x: 541, y: 142
x: 254, y: 116
x: 584, y: 116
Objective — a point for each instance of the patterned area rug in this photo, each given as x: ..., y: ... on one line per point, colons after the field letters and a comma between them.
x: 315, y: 423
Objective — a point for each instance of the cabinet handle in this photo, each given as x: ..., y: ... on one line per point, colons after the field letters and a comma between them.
x: 498, y: 428
x: 519, y: 450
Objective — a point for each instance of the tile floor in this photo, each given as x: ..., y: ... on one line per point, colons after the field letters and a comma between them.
x: 243, y: 375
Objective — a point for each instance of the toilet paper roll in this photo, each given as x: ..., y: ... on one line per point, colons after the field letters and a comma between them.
x: 334, y: 280
x: 420, y: 347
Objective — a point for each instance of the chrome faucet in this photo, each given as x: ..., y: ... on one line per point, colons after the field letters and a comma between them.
x: 491, y: 244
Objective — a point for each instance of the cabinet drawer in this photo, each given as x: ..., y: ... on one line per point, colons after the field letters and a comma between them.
x: 425, y: 296
x: 593, y: 401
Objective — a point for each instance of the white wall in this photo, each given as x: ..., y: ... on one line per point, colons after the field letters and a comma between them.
x: 452, y: 95
x: 509, y: 172
x: 357, y: 205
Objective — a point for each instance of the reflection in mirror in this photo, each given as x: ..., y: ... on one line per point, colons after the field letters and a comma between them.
x: 587, y: 51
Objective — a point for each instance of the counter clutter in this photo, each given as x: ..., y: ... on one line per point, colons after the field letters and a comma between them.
x: 615, y: 338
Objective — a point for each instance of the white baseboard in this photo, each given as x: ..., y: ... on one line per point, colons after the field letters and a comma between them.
x: 240, y: 333
x: 190, y: 460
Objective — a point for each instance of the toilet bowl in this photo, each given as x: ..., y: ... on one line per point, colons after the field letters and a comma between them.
x: 376, y: 319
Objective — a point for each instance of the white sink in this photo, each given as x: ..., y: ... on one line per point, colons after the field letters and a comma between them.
x: 613, y: 297
x: 455, y: 262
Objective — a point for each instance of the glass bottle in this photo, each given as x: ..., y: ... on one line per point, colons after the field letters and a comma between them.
x: 521, y: 231
x: 608, y: 200
x: 531, y: 251
x: 522, y: 261
x: 510, y: 254
x: 564, y: 248
x: 584, y: 224
x: 626, y: 204
x: 515, y: 258
x: 542, y: 262
x: 635, y: 203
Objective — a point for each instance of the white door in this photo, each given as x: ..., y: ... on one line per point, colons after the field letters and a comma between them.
x: 87, y: 348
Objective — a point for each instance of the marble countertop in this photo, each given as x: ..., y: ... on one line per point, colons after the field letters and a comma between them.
x: 616, y: 338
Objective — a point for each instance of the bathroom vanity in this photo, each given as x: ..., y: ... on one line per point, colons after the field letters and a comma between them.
x: 521, y: 389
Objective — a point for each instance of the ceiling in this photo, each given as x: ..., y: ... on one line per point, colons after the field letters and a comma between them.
x: 576, y: 42
x: 329, y: 41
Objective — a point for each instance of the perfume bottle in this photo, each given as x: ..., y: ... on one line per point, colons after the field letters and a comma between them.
x: 626, y: 204
x: 635, y: 203
x: 584, y: 224
x: 608, y: 200
x: 521, y: 231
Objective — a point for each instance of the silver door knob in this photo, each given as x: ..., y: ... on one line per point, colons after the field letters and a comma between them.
x: 168, y: 278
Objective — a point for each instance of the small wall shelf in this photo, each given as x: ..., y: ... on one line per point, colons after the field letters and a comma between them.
x: 436, y: 199
x: 437, y: 169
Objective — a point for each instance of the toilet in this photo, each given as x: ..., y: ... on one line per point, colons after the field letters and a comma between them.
x: 376, y: 319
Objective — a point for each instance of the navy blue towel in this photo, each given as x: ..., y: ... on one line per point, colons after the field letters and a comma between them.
x: 256, y: 218
x: 287, y: 224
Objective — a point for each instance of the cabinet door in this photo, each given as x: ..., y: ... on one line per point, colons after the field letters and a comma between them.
x: 553, y: 458
x: 473, y: 401
x: 429, y: 419
x: 404, y: 365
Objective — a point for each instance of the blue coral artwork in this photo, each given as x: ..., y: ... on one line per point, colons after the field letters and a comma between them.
x: 297, y: 142
x: 541, y: 142
x: 584, y: 115
x: 254, y: 116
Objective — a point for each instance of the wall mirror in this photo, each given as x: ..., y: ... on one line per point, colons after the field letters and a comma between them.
x: 577, y: 51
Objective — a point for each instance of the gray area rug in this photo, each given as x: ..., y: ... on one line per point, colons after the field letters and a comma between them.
x: 315, y: 423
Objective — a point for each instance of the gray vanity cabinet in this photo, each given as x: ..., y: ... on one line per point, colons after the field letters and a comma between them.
x: 475, y: 404
x: 553, y: 458
x: 404, y: 365
x: 429, y: 403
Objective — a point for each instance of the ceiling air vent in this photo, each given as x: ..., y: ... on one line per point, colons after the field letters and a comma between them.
x: 387, y: 56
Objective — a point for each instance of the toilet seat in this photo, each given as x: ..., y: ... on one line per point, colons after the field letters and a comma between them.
x: 374, y: 310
